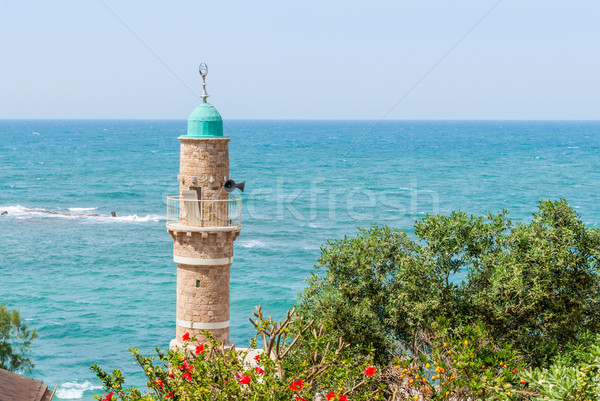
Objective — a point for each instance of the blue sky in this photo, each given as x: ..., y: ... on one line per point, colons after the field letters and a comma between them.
x: 307, y: 60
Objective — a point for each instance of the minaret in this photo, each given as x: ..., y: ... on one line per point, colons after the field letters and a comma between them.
x: 203, y: 221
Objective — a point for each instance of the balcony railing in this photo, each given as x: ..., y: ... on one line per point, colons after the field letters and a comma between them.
x: 221, y: 213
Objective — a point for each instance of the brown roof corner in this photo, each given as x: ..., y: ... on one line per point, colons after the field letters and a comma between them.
x: 15, y: 387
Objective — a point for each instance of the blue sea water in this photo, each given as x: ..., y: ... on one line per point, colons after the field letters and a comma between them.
x: 95, y: 286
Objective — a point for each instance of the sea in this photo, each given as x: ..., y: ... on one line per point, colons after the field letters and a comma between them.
x: 95, y: 286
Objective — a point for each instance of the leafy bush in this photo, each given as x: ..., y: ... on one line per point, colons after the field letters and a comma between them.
x: 574, y: 375
x: 214, y: 372
x: 15, y: 341
x: 460, y: 364
x: 534, y: 285
x: 542, y: 286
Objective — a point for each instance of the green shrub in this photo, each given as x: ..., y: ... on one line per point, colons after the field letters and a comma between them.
x: 574, y: 375
x: 15, y: 341
x: 542, y: 286
x: 534, y: 285
x: 459, y: 364
x: 302, y: 363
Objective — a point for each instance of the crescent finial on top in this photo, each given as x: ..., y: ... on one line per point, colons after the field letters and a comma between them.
x: 203, y: 69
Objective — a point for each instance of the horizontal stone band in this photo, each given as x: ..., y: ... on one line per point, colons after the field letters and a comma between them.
x: 202, y: 326
x: 201, y: 261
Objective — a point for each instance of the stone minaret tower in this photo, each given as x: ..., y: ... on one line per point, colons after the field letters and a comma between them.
x: 203, y: 221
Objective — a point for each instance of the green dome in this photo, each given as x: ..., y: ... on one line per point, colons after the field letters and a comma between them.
x: 205, y: 122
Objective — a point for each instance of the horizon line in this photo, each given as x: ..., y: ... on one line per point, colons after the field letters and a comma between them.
x: 309, y: 119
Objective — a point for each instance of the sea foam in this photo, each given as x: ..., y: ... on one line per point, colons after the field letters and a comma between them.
x: 22, y: 212
x: 82, y: 209
x: 253, y: 243
x: 74, y: 390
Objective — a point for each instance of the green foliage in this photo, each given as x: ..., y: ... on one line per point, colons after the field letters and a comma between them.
x: 15, y: 341
x: 543, y: 285
x: 361, y: 274
x: 214, y: 372
x: 475, y: 367
x: 534, y: 285
x: 460, y: 364
x: 565, y: 380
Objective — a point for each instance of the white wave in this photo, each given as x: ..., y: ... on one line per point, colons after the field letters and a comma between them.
x: 74, y: 390
x: 22, y: 212
x: 17, y: 210
x: 134, y: 217
x: 253, y: 243
x: 82, y: 209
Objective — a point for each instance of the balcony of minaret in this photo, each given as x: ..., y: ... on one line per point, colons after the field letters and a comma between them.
x: 186, y: 214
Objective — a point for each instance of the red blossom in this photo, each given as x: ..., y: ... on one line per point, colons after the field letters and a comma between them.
x: 245, y: 379
x: 259, y: 371
x: 257, y: 357
x: 199, y: 349
x: 331, y: 395
x: 107, y: 397
x: 159, y: 383
x: 186, y: 365
x: 298, y: 398
x: 343, y: 397
x: 370, y: 371
x: 171, y: 375
x: 296, y: 386
x: 187, y: 376
x: 170, y: 395
x: 186, y: 336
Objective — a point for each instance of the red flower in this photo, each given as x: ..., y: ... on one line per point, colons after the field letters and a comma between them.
x: 259, y: 371
x: 331, y: 395
x: 107, y: 397
x: 186, y: 336
x: 186, y: 365
x: 170, y: 395
x: 257, y: 358
x: 298, y: 398
x: 171, y: 375
x: 245, y: 379
x: 159, y: 383
x: 296, y: 386
x: 343, y: 397
x: 187, y: 376
x: 370, y: 371
x: 199, y: 349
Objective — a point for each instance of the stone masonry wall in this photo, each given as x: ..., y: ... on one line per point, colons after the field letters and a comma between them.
x: 213, y: 245
x: 204, y: 158
x: 202, y: 296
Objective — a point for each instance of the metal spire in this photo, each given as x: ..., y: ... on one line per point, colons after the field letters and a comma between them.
x: 203, y: 72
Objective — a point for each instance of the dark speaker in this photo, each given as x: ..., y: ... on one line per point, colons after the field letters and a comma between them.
x: 230, y: 186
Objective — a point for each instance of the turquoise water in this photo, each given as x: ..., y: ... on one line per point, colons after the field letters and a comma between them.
x: 95, y: 286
